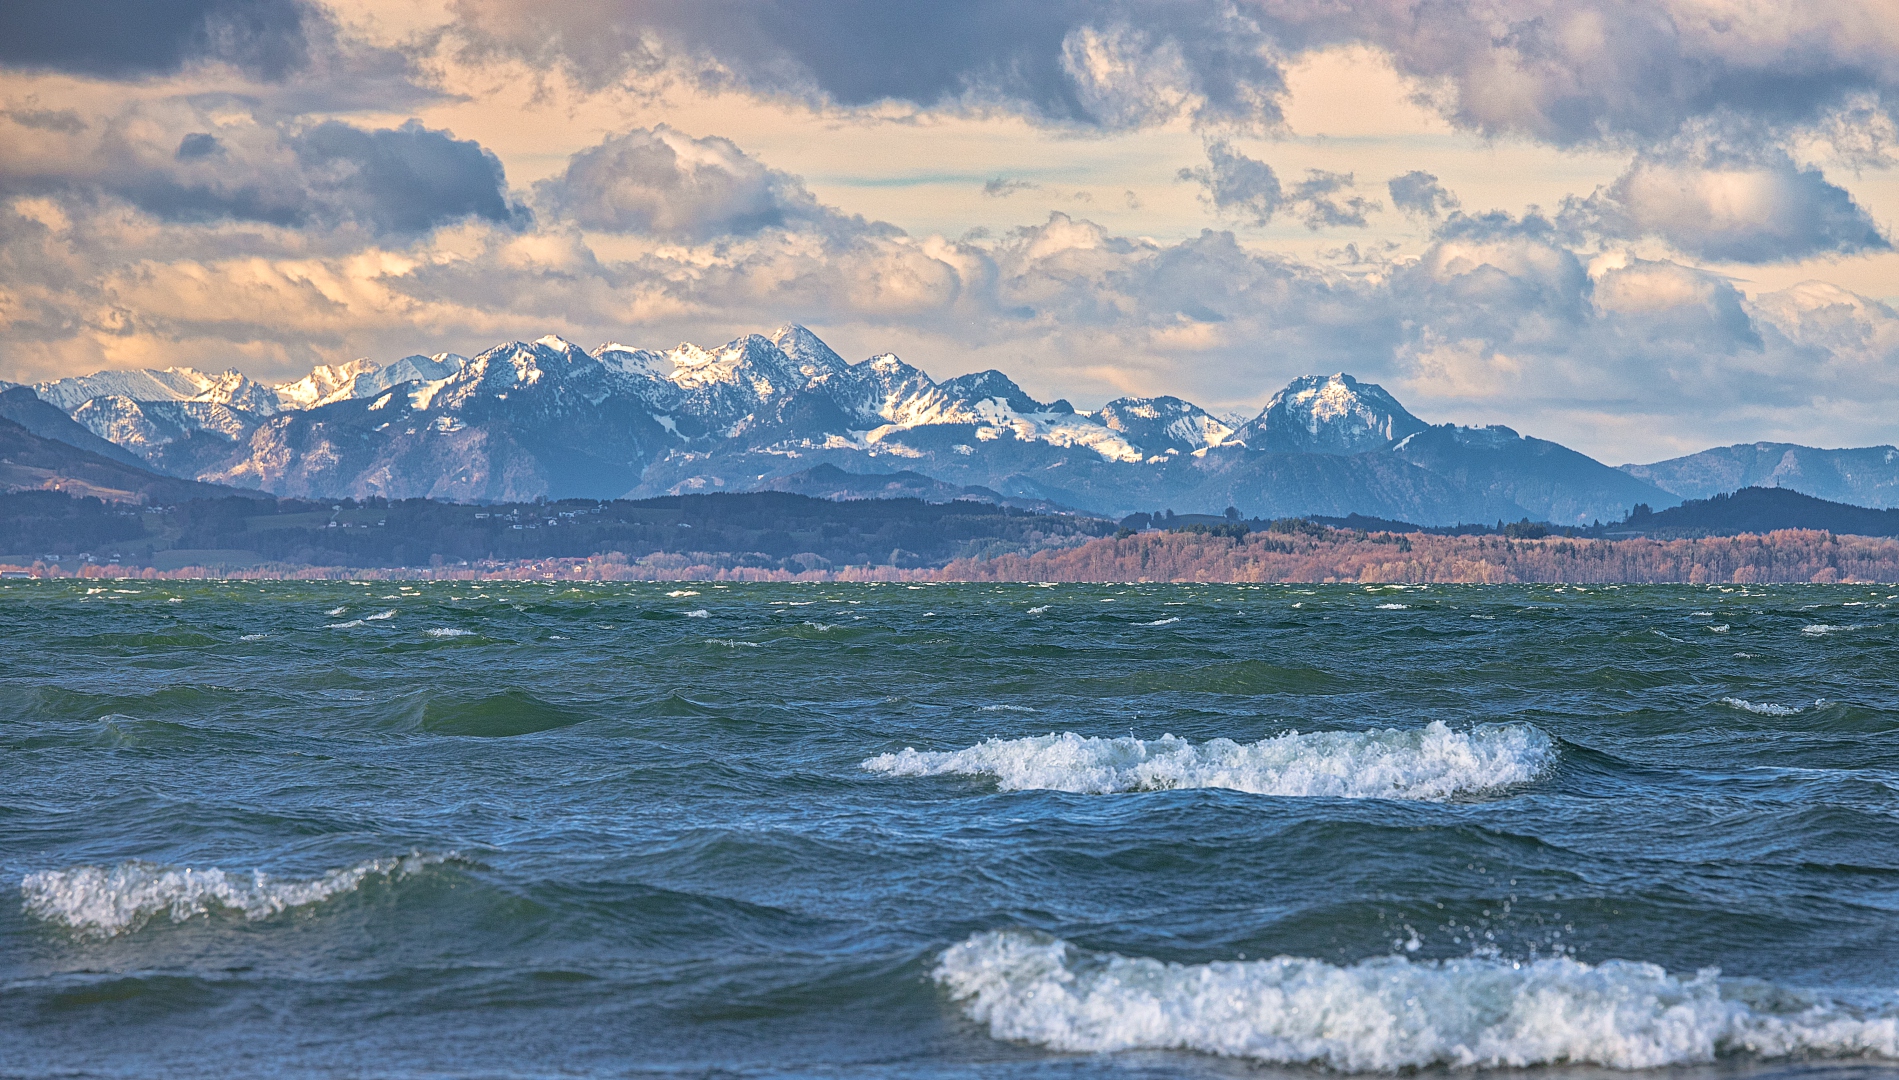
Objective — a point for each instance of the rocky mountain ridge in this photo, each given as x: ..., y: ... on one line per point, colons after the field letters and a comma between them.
x: 548, y: 418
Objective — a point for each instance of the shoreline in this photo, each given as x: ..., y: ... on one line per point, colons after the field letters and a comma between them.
x: 1780, y: 557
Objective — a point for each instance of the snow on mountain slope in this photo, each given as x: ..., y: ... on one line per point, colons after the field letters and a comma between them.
x: 544, y: 417
x: 1329, y: 414
x: 1164, y: 425
x: 170, y: 384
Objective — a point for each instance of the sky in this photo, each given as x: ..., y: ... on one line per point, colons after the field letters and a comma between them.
x: 1636, y: 227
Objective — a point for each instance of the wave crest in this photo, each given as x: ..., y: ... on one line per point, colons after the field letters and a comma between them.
x: 1388, y: 1014
x: 105, y: 901
x: 1432, y: 762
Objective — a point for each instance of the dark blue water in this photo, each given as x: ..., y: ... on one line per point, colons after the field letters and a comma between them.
x: 700, y: 830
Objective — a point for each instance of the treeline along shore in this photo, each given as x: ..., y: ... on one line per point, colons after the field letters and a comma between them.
x: 1311, y: 554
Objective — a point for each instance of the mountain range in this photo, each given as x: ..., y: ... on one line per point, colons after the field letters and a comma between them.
x: 785, y: 412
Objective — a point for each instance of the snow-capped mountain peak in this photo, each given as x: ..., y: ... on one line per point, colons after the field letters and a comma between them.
x: 1165, y: 425
x: 1329, y: 414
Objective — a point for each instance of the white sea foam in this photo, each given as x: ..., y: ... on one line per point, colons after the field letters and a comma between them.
x: 335, y: 611
x: 1763, y: 708
x: 449, y: 631
x: 380, y: 616
x: 1007, y: 708
x: 733, y: 643
x: 103, y: 901
x: 1393, y: 607
x: 821, y: 627
x: 1162, y: 622
x: 1717, y: 628
x: 1432, y: 762
x: 683, y: 592
x: 1388, y: 1014
x: 252, y: 637
x: 1039, y: 609
x: 1822, y: 629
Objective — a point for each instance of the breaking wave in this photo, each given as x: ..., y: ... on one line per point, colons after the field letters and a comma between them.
x: 1761, y: 708
x: 378, y: 617
x: 449, y: 631
x: 1432, y: 762
x: 105, y: 901
x: 1389, y: 1014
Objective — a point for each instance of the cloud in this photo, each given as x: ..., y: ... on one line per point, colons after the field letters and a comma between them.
x: 1236, y: 184
x: 135, y: 38
x: 164, y: 158
x: 1323, y: 203
x: 1118, y: 65
x: 1249, y: 190
x: 1761, y: 209
x: 1566, y: 72
x: 999, y: 188
x: 1418, y: 193
x: 662, y: 182
x: 1573, y: 72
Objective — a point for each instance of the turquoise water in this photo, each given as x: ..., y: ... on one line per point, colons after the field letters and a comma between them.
x: 506, y: 829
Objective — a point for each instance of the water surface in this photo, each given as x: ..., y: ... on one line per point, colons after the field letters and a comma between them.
x: 512, y: 829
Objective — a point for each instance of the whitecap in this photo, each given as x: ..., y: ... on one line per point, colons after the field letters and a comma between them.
x: 1161, y: 622
x: 1038, y: 610
x: 822, y: 627
x: 252, y: 637
x: 1393, y: 607
x: 1762, y: 708
x: 734, y: 643
x: 701, y: 613
x: 1432, y: 762
x: 1822, y: 629
x: 1390, y: 1014
x: 1717, y: 628
x: 103, y: 901
x: 676, y: 593
x: 1007, y: 708
x: 380, y: 616
x: 334, y: 612
x: 342, y: 625
x: 448, y: 632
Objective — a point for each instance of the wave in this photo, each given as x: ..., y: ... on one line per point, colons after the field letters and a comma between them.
x: 379, y: 617
x: 1432, y: 762
x: 105, y: 901
x: 1762, y: 708
x: 1393, y: 607
x: 1390, y: 1013
x: 1162, y: 622
x: 448, y: 632
x: 698, y: 613
x: 1822, y: 629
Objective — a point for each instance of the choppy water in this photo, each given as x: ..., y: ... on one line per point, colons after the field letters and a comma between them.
x: 855, y: 831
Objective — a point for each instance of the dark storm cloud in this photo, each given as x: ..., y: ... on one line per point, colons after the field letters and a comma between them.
x: 1115, y: 64
x: 1418, y: 192
x: 1568, y: 72
x: 133, y: 38
x: 407, y: 179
